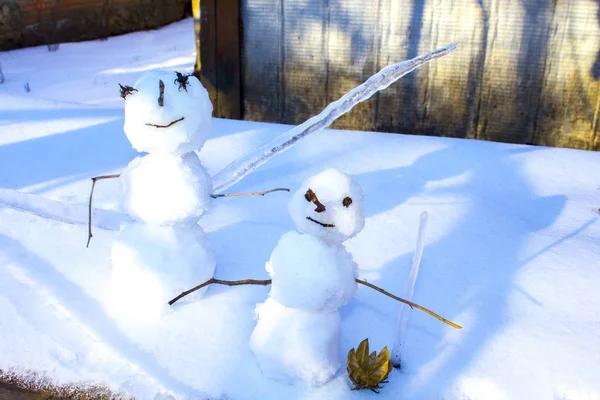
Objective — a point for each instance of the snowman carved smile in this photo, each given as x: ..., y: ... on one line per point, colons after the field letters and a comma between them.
x: 321, y: 223
x: 166, y: 126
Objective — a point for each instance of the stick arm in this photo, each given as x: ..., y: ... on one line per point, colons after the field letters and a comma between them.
x: 94, y: 180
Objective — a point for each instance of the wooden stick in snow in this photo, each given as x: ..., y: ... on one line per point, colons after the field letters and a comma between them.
x: 264, y: 282
x: 215, y: 196
x: 94, y: 179
x: 168, y: 125
x: 410, y: 303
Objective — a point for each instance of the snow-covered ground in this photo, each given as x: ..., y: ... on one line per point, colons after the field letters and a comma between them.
x: 512, y: 249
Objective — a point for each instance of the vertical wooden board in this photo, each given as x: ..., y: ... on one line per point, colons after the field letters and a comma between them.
x: 451, y: 90
x: 569, y: 110
x: 197, y: 28
x: 262, y: 60
x: 514, y: 69
x: 304, y: 60
x: 208, y: 50
x: 352, y: 43
x: 401, y: 32
x: 228, y: 59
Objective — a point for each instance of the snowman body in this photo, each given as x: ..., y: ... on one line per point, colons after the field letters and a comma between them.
x: 166, y: 192
x: 298, y: 328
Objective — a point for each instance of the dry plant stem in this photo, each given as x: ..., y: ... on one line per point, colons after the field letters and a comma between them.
x: 410, y: 303
x: 264, y: 282
x: 167, y: 126
x: 94, y: 179
x: 215, y: 196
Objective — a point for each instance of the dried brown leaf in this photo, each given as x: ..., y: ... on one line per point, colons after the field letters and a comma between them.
x: 366, y: 370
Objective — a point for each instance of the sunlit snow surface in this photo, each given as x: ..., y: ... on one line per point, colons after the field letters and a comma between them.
x: 512, y: 249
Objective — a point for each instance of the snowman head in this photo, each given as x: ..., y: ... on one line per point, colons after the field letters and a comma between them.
x: 329, y: 205
x: 167, y: 112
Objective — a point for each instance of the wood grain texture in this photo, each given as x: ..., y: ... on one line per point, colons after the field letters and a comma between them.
x: 304, y: 58
x: 208, y: 49
x: 526, y: 71
x: 571, y: 89
x: 220, y: 56
x: 228, y: 59
x: 262, y: 60
x: 352, y: 43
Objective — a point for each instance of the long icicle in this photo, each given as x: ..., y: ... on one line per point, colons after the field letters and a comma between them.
x: 409, y: 290
x: 247, y: 163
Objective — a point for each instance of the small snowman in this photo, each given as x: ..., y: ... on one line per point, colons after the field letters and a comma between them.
x: 167, y: 115
x: 313, y: 275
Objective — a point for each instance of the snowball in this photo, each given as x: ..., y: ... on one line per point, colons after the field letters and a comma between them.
x: 343, y: 202
x: 166, y: 188
x: 151, y: 264
x: 311, y: 275
x: 143, y: 113
x: 293, y: 344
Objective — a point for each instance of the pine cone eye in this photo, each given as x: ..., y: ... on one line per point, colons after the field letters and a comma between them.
x: 182, y: 80
x: 347, y: 201
x: 126, y: 91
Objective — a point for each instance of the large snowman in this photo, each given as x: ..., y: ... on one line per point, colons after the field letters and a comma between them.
x: 168, y: 116
x: 298, y: 329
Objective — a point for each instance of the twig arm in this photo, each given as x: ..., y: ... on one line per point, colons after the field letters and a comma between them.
x: 94, y: 179
x: 215, y: 196
x: 410, y: 303
x: 264, y: 282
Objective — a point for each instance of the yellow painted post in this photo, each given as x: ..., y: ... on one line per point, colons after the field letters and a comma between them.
x: 196, y: 14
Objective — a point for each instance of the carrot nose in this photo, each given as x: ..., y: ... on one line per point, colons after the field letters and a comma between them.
x: 161, y: 96
x: 311, y: 196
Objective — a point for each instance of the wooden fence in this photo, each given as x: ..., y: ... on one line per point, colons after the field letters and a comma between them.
x: 526, y: 71
x: 34, y: 22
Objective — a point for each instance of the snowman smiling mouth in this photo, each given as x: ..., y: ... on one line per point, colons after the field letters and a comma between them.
x: 167, y: 126
x: 321, y: 223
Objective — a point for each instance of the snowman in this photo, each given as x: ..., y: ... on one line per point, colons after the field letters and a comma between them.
x: 313, y: 275
x: 168, y: 116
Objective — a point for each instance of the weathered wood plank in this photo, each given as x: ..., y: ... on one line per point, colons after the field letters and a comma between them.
x: 228, y: 59
x: 197, y: 28
x: 570, y: 98
x: 304, y: 59
x: 526, y: 71
x: 208, y: 49
x: 440, y: 98
x: 450, y: 92
x: 352, y: 48
x: 394, y: 105
x: 262, y: 60
x: 514, y: 68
